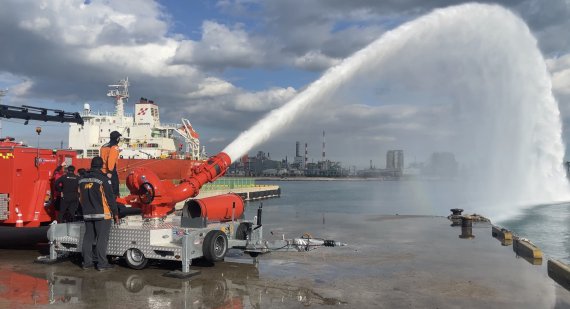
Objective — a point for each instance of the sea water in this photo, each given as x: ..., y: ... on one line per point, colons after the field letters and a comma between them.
x: 545, y: 225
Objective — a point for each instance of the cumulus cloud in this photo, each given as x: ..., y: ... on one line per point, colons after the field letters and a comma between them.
x: 212, y: 87
x: 264, y: 100
x: 560, y: 70
x: 315, y: 61
x: 22, y: 88
x: 221, y: 47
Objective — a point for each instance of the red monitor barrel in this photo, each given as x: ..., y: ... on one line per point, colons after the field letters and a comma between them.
x: 220, y: 208
x: 143, y: 183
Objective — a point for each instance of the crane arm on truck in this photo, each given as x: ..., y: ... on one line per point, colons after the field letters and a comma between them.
x: 27, y: 112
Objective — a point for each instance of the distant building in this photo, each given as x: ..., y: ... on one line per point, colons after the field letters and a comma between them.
x: 298, y: 161
x: 395, y: 160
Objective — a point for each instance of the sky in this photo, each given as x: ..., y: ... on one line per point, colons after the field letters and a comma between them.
x: 225, y: 64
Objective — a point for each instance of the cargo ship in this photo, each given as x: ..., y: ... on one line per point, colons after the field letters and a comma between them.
x: 170, y: 150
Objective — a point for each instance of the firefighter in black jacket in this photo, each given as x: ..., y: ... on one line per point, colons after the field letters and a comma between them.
x: 99, y: 209
x: 68, y: 185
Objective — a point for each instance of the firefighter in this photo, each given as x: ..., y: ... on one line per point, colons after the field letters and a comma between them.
x: 99, y: 209
x: 110, y: 154
x: 57, y: 173
x: 68, y: 185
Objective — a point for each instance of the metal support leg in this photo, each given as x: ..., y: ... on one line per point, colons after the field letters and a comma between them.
x: 186, y: 260
x: 51, y: 237
x: 185, y: 254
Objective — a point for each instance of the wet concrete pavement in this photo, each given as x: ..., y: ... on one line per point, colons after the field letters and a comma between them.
x: 391, y: 262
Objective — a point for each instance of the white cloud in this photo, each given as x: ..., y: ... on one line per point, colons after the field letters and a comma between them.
x: 560, y: 70
x: 315, y: 61
x: 212, y: 87
x: 264, y: 100
x: 22, y: 88
x: 36, y: 25
x: 221, y: 47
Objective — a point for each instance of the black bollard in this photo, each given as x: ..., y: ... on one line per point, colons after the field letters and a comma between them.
x: 456, y: 211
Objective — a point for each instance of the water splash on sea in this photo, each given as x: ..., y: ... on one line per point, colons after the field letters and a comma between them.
x: 502, y: 120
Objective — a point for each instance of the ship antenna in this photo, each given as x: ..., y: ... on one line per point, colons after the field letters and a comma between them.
x: 120, y: 92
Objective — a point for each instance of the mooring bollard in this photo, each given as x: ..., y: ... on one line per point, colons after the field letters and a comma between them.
x: 456, y: 211
x: 466, y: 221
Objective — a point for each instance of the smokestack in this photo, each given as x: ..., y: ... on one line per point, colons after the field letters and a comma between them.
x: 323, y: 145
x: 306, y: 154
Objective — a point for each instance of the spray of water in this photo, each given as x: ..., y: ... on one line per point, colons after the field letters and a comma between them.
x: 505, y: 121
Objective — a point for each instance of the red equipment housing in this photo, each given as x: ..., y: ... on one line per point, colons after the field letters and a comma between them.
x: 157, y: 198
x: 25, y: 186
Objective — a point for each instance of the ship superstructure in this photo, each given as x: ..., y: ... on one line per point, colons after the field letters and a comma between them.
x: 143, y: 135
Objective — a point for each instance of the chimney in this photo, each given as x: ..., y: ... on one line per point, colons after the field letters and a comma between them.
x: 323, y: 145
x: 306, y: 154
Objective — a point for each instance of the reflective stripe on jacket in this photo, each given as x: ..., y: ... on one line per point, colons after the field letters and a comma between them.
x: 96, y: 196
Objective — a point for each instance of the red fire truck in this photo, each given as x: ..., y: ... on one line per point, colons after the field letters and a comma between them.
x: 27, y: 175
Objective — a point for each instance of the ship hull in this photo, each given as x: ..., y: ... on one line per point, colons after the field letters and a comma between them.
x: 173, y: 169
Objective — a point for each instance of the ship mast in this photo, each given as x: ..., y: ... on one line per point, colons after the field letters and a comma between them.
x: 120, y: 92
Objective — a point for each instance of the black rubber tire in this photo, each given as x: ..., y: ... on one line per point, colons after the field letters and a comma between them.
x: 242, y: 231
x: 215, y: 246
x: 135, y: 259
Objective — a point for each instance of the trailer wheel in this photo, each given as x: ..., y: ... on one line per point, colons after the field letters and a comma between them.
x: 135, y: 259
x: 215, y: 246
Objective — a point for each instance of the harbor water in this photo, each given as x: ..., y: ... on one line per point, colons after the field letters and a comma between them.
x: 545, y: 225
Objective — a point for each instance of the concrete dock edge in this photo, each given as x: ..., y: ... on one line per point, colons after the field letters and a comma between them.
x: 524, y: 248
x: 559, y: 272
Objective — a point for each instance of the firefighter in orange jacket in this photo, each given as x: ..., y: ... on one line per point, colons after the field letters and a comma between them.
x: 110, y: 154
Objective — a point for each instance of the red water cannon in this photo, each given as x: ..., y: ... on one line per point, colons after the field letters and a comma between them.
x: 157, y: 197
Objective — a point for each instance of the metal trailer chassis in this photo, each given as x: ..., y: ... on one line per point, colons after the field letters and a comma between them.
x: 175, y: 239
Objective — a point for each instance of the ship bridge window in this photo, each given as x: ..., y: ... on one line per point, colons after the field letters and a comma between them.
x: 92, y: 153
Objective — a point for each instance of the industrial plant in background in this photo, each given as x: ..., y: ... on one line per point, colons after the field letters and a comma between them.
x: 261, y: 165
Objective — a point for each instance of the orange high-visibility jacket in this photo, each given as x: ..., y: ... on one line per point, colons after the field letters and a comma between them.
x: 110, y: 155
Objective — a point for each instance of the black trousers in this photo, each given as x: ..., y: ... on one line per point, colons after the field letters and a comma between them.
x: 95, y: 242
x: 115, y: 182
x: 70, y: 206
